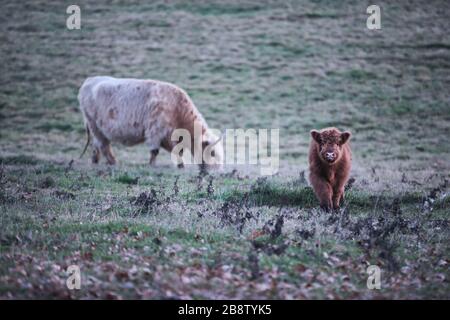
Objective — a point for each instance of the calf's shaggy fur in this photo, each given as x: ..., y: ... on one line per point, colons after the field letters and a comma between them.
x: 329, y: 165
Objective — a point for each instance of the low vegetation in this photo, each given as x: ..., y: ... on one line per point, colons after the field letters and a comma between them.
x: 182, y: 235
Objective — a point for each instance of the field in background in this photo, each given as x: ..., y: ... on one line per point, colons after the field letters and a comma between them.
x: 137, y: 231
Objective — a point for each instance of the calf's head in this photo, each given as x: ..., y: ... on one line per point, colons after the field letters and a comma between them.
x: 329, y: 143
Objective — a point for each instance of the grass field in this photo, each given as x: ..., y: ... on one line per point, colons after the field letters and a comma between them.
x: 142, y: 232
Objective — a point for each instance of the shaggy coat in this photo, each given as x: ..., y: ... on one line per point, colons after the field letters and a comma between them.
x: 329, y: 165
x: 133, y: 111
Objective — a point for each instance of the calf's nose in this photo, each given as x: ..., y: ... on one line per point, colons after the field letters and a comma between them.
x: 330, y: 155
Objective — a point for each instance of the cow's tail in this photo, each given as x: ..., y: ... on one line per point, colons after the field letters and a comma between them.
x: 88, y: 134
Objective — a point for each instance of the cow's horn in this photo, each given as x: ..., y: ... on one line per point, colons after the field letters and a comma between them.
x: 220, y: 138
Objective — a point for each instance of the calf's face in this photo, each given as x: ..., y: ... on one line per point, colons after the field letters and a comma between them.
x: 330, y: 143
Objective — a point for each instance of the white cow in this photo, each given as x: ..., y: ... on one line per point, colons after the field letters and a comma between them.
x: 133, y: 111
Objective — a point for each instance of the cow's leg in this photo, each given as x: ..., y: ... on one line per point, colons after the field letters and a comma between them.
x: 96, y: 146
x: 153, y: 140
x: 100, y: 143
x: 153, y: 154
x: 169, y: 145
x: 96, y: 141
x: 180, y: 163
x: 102, y: 146
x: 107, y: 152
x: 178, y: 155
x: 95, y: 155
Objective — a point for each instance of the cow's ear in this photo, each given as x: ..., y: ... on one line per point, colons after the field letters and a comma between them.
x: 345, y: 136
x: 316, y: 136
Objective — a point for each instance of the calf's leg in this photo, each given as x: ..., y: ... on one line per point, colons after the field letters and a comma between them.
x: 323, y: 192
x: 338, y: 196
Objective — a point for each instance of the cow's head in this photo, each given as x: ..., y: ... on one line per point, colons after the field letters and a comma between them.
x: 212, y: 147
x: 330, y: 142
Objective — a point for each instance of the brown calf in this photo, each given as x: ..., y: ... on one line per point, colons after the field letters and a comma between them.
x: 329, y: 165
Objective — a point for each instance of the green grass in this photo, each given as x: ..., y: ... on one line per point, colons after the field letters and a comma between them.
x: 99, y: 227
x: 159, y: 232
x: 19, y: 160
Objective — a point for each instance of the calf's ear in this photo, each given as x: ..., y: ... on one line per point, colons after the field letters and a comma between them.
x: 316, y: 136
x: 345, y: 136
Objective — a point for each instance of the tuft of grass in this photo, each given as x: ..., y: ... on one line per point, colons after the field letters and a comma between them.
x: 271, y: 194
x: 47, y: 127
x: 19, y: 160
x: 127, y: 179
